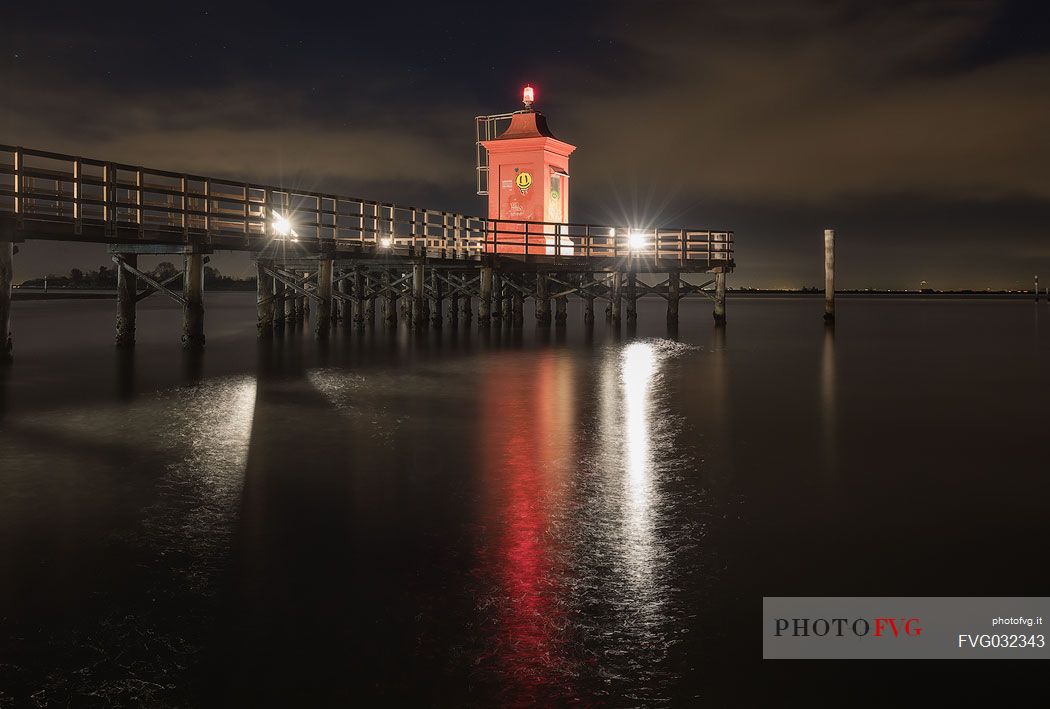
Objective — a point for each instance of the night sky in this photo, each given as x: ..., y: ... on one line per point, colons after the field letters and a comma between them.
x: 920, y: 130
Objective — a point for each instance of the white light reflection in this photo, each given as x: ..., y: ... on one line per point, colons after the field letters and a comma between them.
x: 637, y: 370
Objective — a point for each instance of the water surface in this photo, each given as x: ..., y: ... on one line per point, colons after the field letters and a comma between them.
x: 506, y: 518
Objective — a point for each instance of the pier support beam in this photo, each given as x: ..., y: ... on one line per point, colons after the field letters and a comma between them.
x: 829, y: 275
x: 7, y: 252
x: 506, y: 299
x: 543, y: 299
x: 465, y: 301
x: 390, y: 302
x: 497, y: 296
x: 370, y: 300
x: 485, y: 301
x: 278, y: 305
x: 340, y: 306
x: 290, y: 299
x: 357, y: 295
x: 617, y: 296
x: 323, y: 321
x: 517, y: 308
x: 588, y: 299
x: 193, y: 310
x: 674, y: 295
x: 437, y: 289
x: 720, y: 298
x: 632, y: 298
x: 264, y: 299
x: 127, y: 290
x: 418, y: 284
x: 560, y: 310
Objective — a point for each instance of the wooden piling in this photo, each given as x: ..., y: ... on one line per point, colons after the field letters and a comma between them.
x: 323, y: 321
x: 437, y: 289
x: 560, y: 310
x: 617, y: 296
x: 370, y: 300
x: 588, y: 298
x: 418, y: 288
x: 507, y: 299
x: 304, y: 302
x: 632, y: 297
x: 543, y: 299
x: 357, y: 298
x: 264, y: 300
x: 453, y: 301
x: 193, y: 310
x: 7, y: 252
x: 674, y: 295
x: 829, y: 274
x: 341, y: 310
x: 278, y: 305
x: 518, y: 307
x: 485, y: 301
x: 465, y: 301
x: 290, y: 299
x: 390, y: 299
x: 497, y: 296
x: 127, y: 287
x: 720, y: 298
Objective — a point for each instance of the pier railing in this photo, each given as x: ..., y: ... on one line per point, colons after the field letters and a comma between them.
x: 40, y: 187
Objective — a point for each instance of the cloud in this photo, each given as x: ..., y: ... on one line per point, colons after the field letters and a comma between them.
x: 818, y: 101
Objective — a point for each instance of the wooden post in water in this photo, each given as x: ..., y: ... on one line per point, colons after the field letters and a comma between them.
x: 465, y: 301
x: 720, y: 298
x: 290, y: 299
x: 304, y: 302
x: 370, y: 301
x: 323, y: 321
x: 588, y: 299
x: 829, y: 275
x: 674, y: 295
x: 278, y: 305
x: 543, y: 299
x: 127, y: 287
x: 497, y: 296
x: 193, y: 311
x: 7, y: 252
x: 517, y: 307
x: 390, y: 302
x: 453, y: 301
x: 485, y: 301
x: 632, y: 297
x: 437, y: 289
x: 418, y: 283
x: 263, y: 300
x: 617, y: 296
x: 340, y: 306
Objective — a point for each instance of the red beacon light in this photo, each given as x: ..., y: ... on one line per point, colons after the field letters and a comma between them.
x: 528, y: 96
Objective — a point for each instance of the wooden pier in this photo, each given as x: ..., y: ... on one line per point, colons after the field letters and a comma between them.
x: 341, y: 256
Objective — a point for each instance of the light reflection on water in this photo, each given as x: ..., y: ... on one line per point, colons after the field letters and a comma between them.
x: 574, y: 570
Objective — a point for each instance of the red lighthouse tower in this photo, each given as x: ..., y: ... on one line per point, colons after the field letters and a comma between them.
x: 527, y: 181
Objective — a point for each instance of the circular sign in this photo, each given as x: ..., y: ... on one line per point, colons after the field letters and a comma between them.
x: 555, y: 194
x: 523, y: 181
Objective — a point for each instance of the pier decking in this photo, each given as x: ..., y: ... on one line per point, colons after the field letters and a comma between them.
x: 343, y: 254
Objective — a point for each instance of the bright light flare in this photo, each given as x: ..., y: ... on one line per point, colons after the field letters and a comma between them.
x: 636, y: 240
x: 385, y: 242
x: 282, y: 226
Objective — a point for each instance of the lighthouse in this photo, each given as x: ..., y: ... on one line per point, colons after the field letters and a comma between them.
x: 528, y: 183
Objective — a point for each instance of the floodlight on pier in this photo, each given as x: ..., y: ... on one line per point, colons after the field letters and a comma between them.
x: 385, y: 242
x: 635, y: 240
x: 282, y: 226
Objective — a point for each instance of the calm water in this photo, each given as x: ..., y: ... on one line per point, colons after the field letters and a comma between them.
x: 512, y: 519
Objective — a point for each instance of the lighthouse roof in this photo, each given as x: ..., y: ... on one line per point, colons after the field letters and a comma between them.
x: 526, y: 124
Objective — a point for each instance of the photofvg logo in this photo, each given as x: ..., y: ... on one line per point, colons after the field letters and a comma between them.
x: 839, y: 627
x: 903, y: 628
